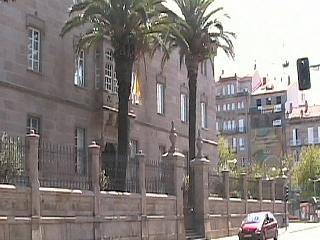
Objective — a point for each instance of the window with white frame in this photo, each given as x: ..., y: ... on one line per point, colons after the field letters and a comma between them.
x: 242, y: 105
x: 110, y: 78
x: 224, y: 107
x: 231, y: 89
x: 225, y: 125
x: 80, y: 148
x: 228, y: 107
x: 241, y: 144
x: 97, y: 76
x: 33, y: 123
x: 233, y: 124
x: 218, y: 108
x: 217, y: 126
x: 34, y: 49
x: 203, y: 113
x: 239, y: 105
x: 79, y: 74
x: 294, y: 136
x: 224, y: 90
x: 234, y: 143
x: 229, y: 125
x: 160, y: 98
x: 233, y: 106
x: 310, y: 135
x: 183, y: 107
x: 241, y: 125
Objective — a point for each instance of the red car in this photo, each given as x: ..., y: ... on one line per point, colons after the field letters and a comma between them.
x: 259, y: 226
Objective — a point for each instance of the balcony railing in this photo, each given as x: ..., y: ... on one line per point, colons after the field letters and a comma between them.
x: 233, y: 130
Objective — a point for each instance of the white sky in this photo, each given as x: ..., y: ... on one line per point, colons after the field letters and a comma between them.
x: 271, y: 32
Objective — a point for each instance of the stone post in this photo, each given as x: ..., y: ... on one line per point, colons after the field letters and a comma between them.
x: 260, y: 196
x: 142, y: 183
x: 177, y: 159
x: 200, y: 167
x: 226, y: 181
x: 94, y: 153
x: 244, y: 179
x: 273, y: 194
x: 32, y: 160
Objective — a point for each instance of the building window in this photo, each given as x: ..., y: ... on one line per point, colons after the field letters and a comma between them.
x: 224, y: 90
x: 268, y: 101
x: 242, y: 105
x: 233, y: 124
x: 310, y: 135
x: 135, y: 89
x: 218, y: 108
x: 241, y: 125
x: 278, y: 100
x: 228, y: 107
x: 97, y: 75
x: 133, y: 148
x: 80, y: 147
x: 232, y: 89
x: 241, y: 144
x: 258, y: 102
x: 224, y: 107
x: 183, y: 107
x: 229, y: 125
x: 110, y: 78
x: 233, y: 106
x: 234, y: 143
x: 239, y: 105
x: 294, y: 136
x: 217, y: 126
x: 160, y: 98
x: 225, y: 127
x: 33, y: 123
x: 203, y: 109
x: 33, y: 49
x: 79, y: 79
x: 229, y: 89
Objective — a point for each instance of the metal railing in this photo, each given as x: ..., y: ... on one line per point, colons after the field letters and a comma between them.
x: 13, y: 161
x: 266, y: 190
x: 159, y: 177
x: 216, y: 185
x: 63, y: 166
x: 253, y: 189
x: 235, y: 187
x: 118, y: 176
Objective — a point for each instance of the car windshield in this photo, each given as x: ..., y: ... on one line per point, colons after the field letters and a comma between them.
x: 254, y: 218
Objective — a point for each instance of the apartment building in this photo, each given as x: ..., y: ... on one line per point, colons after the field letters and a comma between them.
x: 233, y: 102
x: 267, y: 125
x: 303, y: 128
x: 71, y: 99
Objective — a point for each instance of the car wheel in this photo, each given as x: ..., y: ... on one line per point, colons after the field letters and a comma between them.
x: 276, y: 236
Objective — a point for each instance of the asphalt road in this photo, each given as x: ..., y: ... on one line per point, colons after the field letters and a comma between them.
x: 295, y: 231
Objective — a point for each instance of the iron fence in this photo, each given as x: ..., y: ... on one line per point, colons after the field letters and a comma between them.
x: 13, y: 161
x: 121, y: 177
x: 63, y: 166
x: 253, y: 189
x: 279, y: 191
x: 266, y: 190
x: 160, y: 177
x: 216, y: 185
x: 235, y: 187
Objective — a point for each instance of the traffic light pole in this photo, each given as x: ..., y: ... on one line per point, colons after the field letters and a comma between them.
x: 285, y: 214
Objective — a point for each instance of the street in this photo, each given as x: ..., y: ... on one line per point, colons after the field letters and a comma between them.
x: 295, y: 231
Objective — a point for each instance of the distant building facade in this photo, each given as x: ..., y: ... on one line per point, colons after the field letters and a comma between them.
x: 233, y: 102
x: 303, y: 129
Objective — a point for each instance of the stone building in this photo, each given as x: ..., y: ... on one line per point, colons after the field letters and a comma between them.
x: 303, y: 128
x: 70, y: 99
x: 267, y: 125
x: 233, y: 102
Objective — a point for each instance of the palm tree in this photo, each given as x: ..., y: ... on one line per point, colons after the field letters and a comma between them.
x: 198, y: 34
x: 132, y: 27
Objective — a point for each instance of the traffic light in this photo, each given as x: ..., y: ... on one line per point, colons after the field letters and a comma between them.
x: 303, y: 73
x: 286, y: 193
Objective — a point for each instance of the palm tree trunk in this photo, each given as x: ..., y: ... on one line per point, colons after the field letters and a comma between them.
x: 192, y: 68
x: 123, y: 67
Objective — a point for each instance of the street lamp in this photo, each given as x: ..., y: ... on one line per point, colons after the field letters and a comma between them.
x: 314, y: 184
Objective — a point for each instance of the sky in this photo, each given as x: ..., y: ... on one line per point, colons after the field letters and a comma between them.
x: 270, y: 32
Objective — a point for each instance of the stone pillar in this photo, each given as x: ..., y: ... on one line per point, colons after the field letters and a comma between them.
x: 94, y: 153
x: 260, y: 196
x: 32, y: 160
x: 200, y: 167
x: 142, y: 183
x: 273, y: 194
x: 226, y: 181
x: 244, y: 179
x: 177, y: 159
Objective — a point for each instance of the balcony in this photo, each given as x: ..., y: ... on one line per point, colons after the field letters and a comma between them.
x: 267, y: 109
x: 237, y: 94
x: 233, y: 131
x: 296, y: 143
